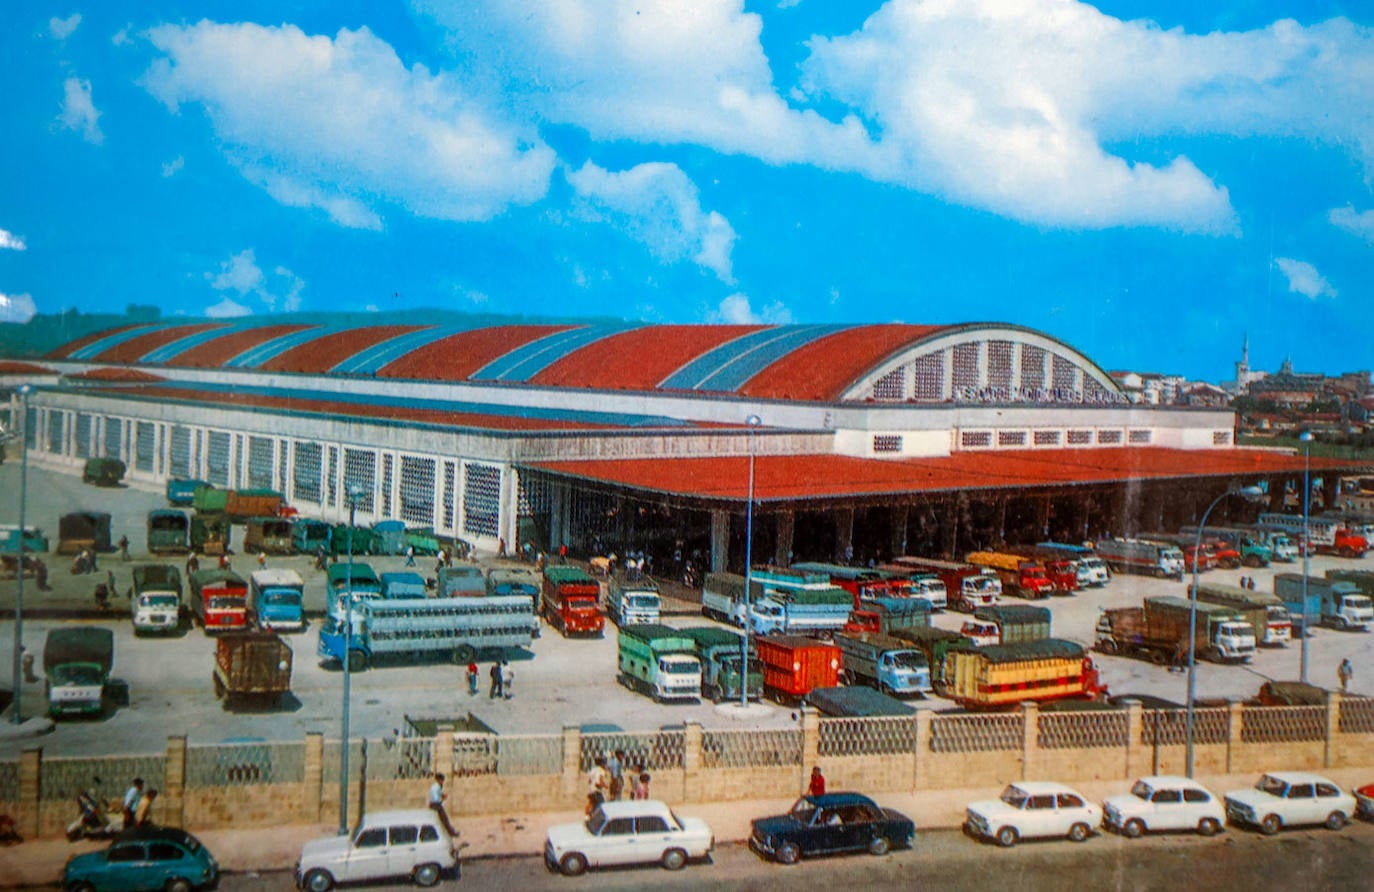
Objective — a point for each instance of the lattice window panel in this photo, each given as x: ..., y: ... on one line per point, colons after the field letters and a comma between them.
x: 929, y: 377
x: 751, y: 749
x: 403, y: 758
x: 259, y: 463
x: 31, y: 428
x: 1109, y: 438
x: 1062, y: 374
x: 217, y: 458
x: 245, y: 764
x: 145, y: 445
x: 417, y: 490
x: 867, y: 736
x: 1356, y: 715
x: 388, y: 474
x: 1080, y: 438
x: 999, y: 363
x: 891, y: 386
x: 976, y: 733
x: 283, y: 448
x: 975, y: 439
x: 1009, y: 439
x: 1093, y: 391
x: 481, y: 499
x: 965, y: 366
x: 107, y: 776
x: 55, y: 430
x: 1221, y: 438
x: 656, y: 751
x: 306, y: 473
x: 1140, y: 437
x: 887, y: 443
x: 1046, y: 438
x: 536, y: 495
x: 450, y: 493
x: 514, y: 755
x: 1170, y: 726
x: 331, y: 475
x: 360, y: 469
x: 1083, y: 730
x: 9, y: 781
x: 83, y: 435
x: 1282, y: 724
x: 1032, y: 367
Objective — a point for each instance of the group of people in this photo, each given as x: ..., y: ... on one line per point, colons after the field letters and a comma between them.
x: 607, y: 779
x: 1247, y: 582
x: 138, y: 804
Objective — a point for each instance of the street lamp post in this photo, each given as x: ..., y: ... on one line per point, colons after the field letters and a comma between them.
x: 1249, y: 493
x: 1306, y: 439
x: 16, y: 715
x: 355, y: 492
x: 753, y: 421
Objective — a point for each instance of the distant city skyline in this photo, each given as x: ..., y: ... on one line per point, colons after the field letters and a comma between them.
x: 1146, y: 180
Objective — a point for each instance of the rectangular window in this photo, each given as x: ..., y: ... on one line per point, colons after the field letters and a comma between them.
x: 360, y: 469
x: 965, y: 367
x: 1011, y: 438
x: 1221, y: 438
x: 417, y: 490
x: 1109, y: 438
x: 450, y: 496
x: 55, y: 429
x: 259, y: 463
x: 387, y: 472
x: 975, y: 439
x: 999, y: 364
x: 331, y: 475
x: 887, y: 443
x: 181, y: 452
x: 145, y: 437
x: 1080, y: 438
x: 217, y: 458
x: 481, y: 499
x: 1032, y: 368
x: 307, y: 473
x: 1140, y: 437
x: 930, y: 377
x: 83, y: 435
x: 1061, y: 376
x: 1047, y: 438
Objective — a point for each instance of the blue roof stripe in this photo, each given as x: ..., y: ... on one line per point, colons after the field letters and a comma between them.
x: 256, y: 356
x: 763, y: 343
x: 526, y: 361
x: 374, y: 358
x: 733, y: 374
x: 93, y: 349
x: 171, y: 350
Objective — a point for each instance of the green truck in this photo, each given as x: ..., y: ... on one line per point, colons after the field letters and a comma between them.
x: 77, y: 664
x: 103, y: 471
x: 169, y: 531
x: 720, y: 651
x: 660, y: 662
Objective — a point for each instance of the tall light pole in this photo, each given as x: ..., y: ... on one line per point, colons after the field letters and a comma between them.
x: 355, y: 491
x: 16, y: 716
x: 753, y: 421
x: 1305, y: 438
x: 1251, y: 494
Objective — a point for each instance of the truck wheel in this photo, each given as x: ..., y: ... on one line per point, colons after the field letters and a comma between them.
x: 1214, y: 654
x: 464, y: 654
x: 1108, y: 646
x: 357, y: 661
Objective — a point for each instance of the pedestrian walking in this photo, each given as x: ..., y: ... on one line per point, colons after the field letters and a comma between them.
x: 124, y: 547
x: 143, y: 814
x: 1345, y: 673
x: 507, y: 680
x: 563, y: 553
x: 497, y: 683
x: 817, y: 785
x: 501, y: 546
x: 40, y: 573
x: 262, y: 560
x: 437, y: 795
x: 132, y: 796
x: 472, y: 679
x: 410, y: 555
x: 320, y: 558
x: 224, y: 561
x: 192, y: 564
x: 615, y: 766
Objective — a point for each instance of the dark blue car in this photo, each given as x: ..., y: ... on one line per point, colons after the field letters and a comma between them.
x: 151, y: 858
x: 835, y: 822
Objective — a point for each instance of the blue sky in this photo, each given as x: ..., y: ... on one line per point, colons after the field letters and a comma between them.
x: 1145, y: 180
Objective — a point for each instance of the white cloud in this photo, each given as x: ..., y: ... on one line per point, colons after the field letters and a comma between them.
x: 1357, y: 223
x: 1304, y: 279
x: 242, y: 275
x: 61, y: 29
x: 657, y: 205
x: 736, y: 310
x: 291, y: 293
x: 79, y: 111
x: 173, y: 167
x: 227, y: 309
x: 239, y: 273
x: 11, y: 242
x: 17, y: 308
x: 342, y: 125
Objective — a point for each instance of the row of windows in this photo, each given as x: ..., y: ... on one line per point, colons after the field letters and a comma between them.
x: 1019, y: 439
x: 992, y: 371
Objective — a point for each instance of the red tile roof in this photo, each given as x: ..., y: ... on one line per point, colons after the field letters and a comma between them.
x: 825, y: 368
x: 136, y: 347
x: 113, y: 374
x: 15, y: 367
x: 216, y: 352
x: 637, y: 359
x: 319, y: 355
x: 456, y: 357
x: 68, y: 349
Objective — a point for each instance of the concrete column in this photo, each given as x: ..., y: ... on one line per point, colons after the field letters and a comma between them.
x: 441, y: 756
x: 1001, y: 506
x: 896, y: 545
x: 1030, y: 742
x: 811, y: 744
x: 27, y: 811
x: 313, y: 794
x: 691, y: 760
x: 1333, y: 727
x: 844, y: 533
x: 787, y: 528
x: 507, y: 523
x: 1234, y: 722
x: 571, y: 782
x: 1137, y: 763
x: 172, y: 798
x: 923, y: 760
x: 720, y: 540
x: 1331, y: 491
x: 1276, y: 490
x: 558, y: 498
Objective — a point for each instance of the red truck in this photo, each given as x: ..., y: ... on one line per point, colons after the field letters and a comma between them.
x: 570, y: 602
x: 793, y: 666
x: 219, y: 600
x: 967, y: 587
x: 1062, y: 571
x: 241, y: 504
x: 1021, y: 576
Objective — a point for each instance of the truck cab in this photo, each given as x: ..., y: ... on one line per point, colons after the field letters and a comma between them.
x: 156, y: 599
x: 76, y: 665
x: 1346, y: 607
x: 275, y: 597
x: 981, y: 632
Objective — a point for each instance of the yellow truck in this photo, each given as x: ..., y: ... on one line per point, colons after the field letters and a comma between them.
x: 1000, y: 676
x: 1021, y: 576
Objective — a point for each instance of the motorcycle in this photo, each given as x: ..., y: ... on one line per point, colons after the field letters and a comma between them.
x: 95, y: 820
x: 691, y: 576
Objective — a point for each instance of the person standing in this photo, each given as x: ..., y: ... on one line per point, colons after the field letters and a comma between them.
x: 507, y: 680
x: 132, y: 797
x: 615, y: 767
x: 640, y: 790
x: 124, y: 548
x: 497, y: 682
x: 597, y: 783
x: 40, y: 574
x: 1346, y: 672
x: 817, y: 785
x: 192, y: 564
x: 410, y: 556
x: 437, y: 795
x: 472, y: 679
x: 262, y: 560
x: 143, y: 815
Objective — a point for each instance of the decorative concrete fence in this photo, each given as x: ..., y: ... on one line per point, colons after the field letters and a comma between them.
x: 265, y: 784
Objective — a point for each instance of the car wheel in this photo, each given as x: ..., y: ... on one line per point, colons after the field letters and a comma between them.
x: 788, y: 853
x: 674, y: 859
x: 1007, y: 837
x: 573, y: 864
x: 318, y: 881
x: 1335, y: 821
x: 1134, y: 829
x: 1270, y: 825
x: 178, y: 884
x: 1079, y: 832
x: 879, y: 845
x: 426, y: 875
x: 1209, y: 827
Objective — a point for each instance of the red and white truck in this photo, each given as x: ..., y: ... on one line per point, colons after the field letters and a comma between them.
x: 570, y: 602
x: 219, y: 600
x: 1324, y: 535
x: 967, y: 587
x: 1021, y: 576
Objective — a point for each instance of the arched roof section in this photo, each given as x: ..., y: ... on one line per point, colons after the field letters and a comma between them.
x: 458, y: 356
x: 134, y: 349
x: 221, y: 349
x: 70, y: 349
x: 323, y: 353
x: 823, y: 369
x: 638, y: 359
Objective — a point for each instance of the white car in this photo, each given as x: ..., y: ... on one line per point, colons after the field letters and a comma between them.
x: 1288, y: 798
x: 627, y: 832
x: 1029, y: 809
x: 1164, y: 803
x: 411, y: 843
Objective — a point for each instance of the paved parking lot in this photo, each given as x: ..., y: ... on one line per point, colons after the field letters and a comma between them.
x: 558, y: 682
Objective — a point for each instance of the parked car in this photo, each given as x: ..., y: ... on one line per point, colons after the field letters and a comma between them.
x: 1290, y: 798
x: 1364, y: 802
x: 834, y: 822
x: 1164, y: 802
x: 411, y: 843
x: 642, y: 831
x: 1029, y: 809
x: 144, y: 858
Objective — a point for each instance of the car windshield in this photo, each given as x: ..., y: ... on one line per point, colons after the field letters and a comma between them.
x: 1015, y: 797
x: 282, y: 599
x: 981, y: 584
x: 226, y: 603
x: 158, y: 600
x: 1142, y: 790
x: 79, y: 674
x: 909, y: 659
x: 643, y: 601
x: 683, y: 668
x: 803, y: 811
x: 1271, y: 785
